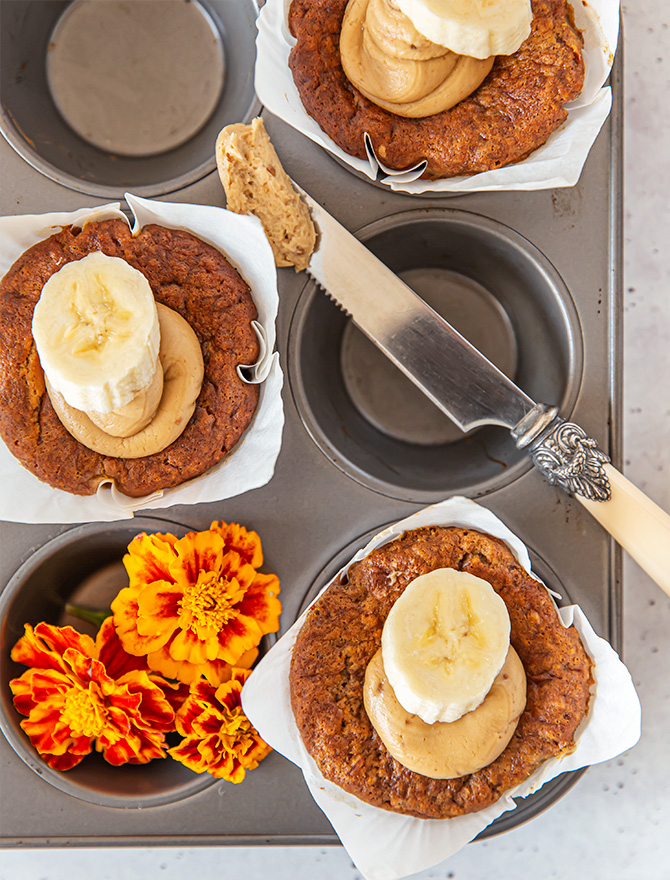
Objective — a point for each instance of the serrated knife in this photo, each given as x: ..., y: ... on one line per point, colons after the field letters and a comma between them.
x: 472, y: 391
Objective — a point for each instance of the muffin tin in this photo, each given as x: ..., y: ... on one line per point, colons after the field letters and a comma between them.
x: 347, y: 465
x: 500, y: 292
x: 42, y: 118
x: 83, y: 566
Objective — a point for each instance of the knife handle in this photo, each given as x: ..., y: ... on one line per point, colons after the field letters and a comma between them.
x: 634, y: 521
x: 570, y: 459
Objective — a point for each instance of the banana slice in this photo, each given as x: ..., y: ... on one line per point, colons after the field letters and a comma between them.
x: 478, y: 28
x: 444, y: 642
x: 97, y: 334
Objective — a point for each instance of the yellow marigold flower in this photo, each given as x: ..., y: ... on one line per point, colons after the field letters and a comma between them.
x: 218, y: 736
x: 196, y: 606
x: 80, y: 694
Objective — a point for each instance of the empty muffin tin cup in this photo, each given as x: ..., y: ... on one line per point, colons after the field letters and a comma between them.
x: 116, y: 96
x: 83, y: 565
x: 500, y: 292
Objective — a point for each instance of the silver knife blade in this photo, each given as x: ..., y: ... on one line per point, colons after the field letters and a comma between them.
x: 443, y: 364
x: 472, y: 391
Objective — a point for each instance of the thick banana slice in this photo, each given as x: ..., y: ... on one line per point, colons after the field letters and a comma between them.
x: 478, y: 28
x: 440, y: 750
x: 97, y: 334
x: 183, y: 370
x: 444, y: 642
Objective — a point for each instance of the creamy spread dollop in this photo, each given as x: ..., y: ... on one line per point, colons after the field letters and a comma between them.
x: 124, y: 421
x: 446, y: 750
x: 145, y: 426
x: 256, y: 183
x: 395, y: 66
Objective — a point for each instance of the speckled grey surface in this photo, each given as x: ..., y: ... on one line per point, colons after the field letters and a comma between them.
x: 613, y: 824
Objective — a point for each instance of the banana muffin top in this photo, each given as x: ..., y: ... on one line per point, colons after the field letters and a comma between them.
x: 511, y: 114
x: 343, y: 630
x: 186, y: 275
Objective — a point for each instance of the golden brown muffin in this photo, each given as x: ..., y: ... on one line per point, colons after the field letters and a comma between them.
x: 343, y: 631
x: 185, y: 274
x: 519, y: 104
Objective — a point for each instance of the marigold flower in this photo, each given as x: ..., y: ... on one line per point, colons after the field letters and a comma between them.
x: 218, y: 736
x: 196, y: 605
x: 80, y: 694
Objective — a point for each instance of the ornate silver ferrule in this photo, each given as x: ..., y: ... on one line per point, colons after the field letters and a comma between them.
x: 534, y: 423
x: 570, y: 459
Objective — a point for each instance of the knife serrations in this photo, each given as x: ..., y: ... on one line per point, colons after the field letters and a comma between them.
x: 330, y: 296
x: 429, y: 351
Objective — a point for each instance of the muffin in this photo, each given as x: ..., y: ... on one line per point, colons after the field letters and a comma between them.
x: 188, y: 276
x: 512, y: 113
x: 343, y: 630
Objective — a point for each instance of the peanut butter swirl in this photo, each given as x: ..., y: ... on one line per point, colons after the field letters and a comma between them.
x: 393, y: 65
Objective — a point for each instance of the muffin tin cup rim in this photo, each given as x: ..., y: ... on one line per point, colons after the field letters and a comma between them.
x: 465, y: 220
x: 540, y: 568
x: 597, y: 739
x: 18, y: 136
x: 16, y: 140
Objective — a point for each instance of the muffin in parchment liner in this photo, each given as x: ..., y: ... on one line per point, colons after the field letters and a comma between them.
x: 250, y: 462
x: 556, y: 163
x: 387, y: 845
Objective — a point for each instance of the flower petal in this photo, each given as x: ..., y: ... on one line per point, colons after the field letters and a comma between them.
x: 187, y: 646
x: 156, y: 712
x: 241, y: 635
x: 128, y: 620
x: 237, y: 538
x: 44, y: 646
x: 186, y: 752
x: 218, y: 671
x: 149, y: 558
x: 158, y: 606
x: 234, y: 568
x: 110, y: 652
x: 196, y: 552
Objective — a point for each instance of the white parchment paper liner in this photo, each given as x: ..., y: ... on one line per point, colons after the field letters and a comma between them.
x: 557, y: 163
x: 251, y: 463
x: 385, y: 845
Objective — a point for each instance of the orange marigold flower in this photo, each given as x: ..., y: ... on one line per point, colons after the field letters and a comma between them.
x: 218, y: 736
x: 80, y: 694
x: 246, y: 543
x: 196, y: 606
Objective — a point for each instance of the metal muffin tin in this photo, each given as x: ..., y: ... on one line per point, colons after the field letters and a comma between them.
x: 500, y: 291
x: 346, y: 468
x: 33, y: 123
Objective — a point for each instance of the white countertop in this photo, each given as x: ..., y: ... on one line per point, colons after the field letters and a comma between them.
x: 615, y: 823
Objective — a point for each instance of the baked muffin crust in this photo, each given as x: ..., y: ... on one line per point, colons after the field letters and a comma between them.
x: 343, y: 631
x: 513, y: 112
x: 185, y: 274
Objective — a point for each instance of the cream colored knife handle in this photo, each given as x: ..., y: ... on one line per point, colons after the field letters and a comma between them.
x: 569, y: 458
x: 635, y: 522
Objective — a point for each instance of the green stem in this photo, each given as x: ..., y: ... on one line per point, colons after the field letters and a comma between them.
x: 92, y: 615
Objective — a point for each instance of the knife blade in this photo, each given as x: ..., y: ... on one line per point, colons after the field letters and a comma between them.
x: 421, y: 343
x: 472, y: 391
